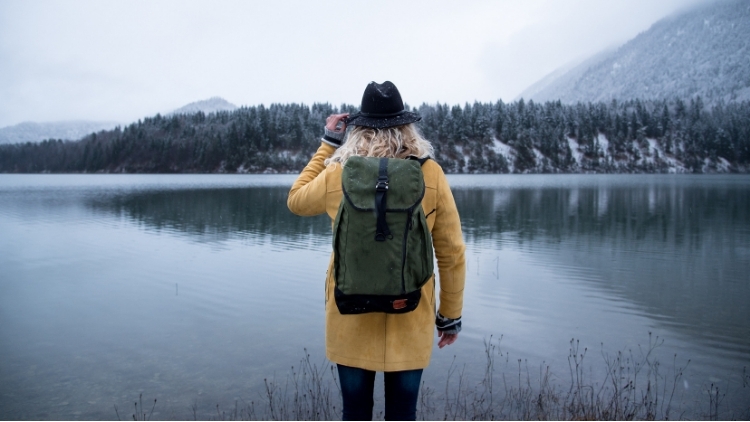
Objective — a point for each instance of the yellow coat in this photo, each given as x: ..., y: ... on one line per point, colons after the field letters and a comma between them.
x: 379, y: 341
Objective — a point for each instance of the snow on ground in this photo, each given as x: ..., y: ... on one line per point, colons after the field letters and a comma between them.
x: 722, y: 165
x: 575, y: 149
x: 653, y: 147
x: 507, y: 152
x: 647, y: 157
x: 651, y: 156
x: 675, y: 166
x: 539, y: 157
x: 603, y: 144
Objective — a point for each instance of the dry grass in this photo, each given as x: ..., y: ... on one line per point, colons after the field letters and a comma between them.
x: 634, y: 386
x: 139, y: 413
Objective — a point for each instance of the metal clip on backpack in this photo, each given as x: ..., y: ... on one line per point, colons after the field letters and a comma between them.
x: 382, y: 245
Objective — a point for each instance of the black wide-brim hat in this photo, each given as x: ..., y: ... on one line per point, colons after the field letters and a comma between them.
x: 382, y: 107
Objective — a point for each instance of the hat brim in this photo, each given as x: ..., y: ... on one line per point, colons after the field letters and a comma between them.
x: 383, y: 122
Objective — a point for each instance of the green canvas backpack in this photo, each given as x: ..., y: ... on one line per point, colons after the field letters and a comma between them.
x: 382, y: 245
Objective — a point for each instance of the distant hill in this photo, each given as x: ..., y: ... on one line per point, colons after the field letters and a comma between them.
x: 66, y: 130
x: 701, y: 52
x: 74, y: 130
x: 210, y: 105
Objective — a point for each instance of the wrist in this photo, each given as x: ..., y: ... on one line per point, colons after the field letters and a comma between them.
x: 333, y: 138
x: 447, y: 325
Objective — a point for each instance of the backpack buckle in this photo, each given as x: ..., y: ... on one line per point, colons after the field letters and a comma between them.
x: 382, y: 185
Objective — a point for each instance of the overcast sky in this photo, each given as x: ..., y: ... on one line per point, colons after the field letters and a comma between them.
x: 123, y: 60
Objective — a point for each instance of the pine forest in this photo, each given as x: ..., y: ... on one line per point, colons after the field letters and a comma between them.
x: 635, y: 136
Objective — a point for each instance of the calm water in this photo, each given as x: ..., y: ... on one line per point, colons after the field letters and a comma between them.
x: 193, y: 289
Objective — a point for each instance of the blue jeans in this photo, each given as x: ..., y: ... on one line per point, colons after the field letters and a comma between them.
x: 401, y: 392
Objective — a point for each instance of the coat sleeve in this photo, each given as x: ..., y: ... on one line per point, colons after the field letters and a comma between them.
x: 308, y: 194
x: 448, y: 242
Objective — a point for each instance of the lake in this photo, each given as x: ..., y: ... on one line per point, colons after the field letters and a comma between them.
x: 193, y: 289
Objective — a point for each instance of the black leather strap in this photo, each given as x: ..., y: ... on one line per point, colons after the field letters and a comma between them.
x: 382, y: 232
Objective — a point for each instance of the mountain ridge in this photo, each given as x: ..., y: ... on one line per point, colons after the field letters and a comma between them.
x: 702, y: 51
x: 73, y: 130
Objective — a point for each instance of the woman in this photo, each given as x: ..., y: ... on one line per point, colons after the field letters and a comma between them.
x: 400, y: 345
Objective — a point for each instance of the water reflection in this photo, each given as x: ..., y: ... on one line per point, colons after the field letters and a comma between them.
x: 218, y: 214
x: 679, y: 251
x: 673, y: 214
x: 89, y: 267
x: 678, y: 248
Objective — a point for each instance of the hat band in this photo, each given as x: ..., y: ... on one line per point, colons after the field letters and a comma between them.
x: 381, y: 115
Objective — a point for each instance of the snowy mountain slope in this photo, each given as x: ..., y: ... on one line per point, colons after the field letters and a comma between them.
x: 37, y: 132
x: 210, y: 105
x: 702, y: 52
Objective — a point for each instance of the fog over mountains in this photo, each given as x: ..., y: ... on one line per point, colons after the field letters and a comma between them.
x: 701, y: 52
x: 74, y: 130
x: 36, y: 132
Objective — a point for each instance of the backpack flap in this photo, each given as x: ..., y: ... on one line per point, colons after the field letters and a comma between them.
x: 361, y: 174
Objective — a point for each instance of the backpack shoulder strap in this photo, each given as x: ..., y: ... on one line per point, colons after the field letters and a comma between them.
x: 420, y: 160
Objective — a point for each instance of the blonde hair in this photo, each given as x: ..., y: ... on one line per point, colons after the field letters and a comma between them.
x: 393, y: 142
